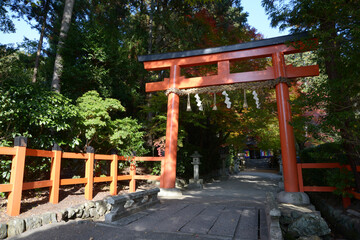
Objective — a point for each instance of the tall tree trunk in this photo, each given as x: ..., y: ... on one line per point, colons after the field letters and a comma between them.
x: 151, y: 26
x: 148, y: 95
x: 65, y: 25
x: 46, y: 9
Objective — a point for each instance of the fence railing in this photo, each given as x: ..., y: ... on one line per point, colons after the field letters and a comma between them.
x: 19, y: 153
x: 301, y: 166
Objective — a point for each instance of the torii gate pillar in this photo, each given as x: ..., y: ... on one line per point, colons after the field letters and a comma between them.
x: 287, y: 140
x: 172, y: 127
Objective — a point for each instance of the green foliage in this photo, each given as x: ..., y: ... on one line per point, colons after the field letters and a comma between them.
x: 35, y: 112
x: 199, y: 1
x: 104, y: 133
x: 37, y: 168
x: 127, y: 136
x: 325, y: 153
x: 94, y: 112
x: 6, y: 24
x: 43, y: 116
x: 342, y: 179
x: 14, y: 69
x: 5, y: 169
x: 156, y: 169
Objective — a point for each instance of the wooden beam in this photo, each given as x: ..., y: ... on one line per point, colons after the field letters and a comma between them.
x: 71, y: 181
x: 157, y: 86
x: 55, y: 174
x: 17, y: 177
x: 225, y: 56
x: 215, y: 80
x: 318, y: 189
x: 39, y: 153
x: 149, y: 159
x: 297, y: 39
x: 147, y: 177
x: 37, y: 184
x: 321, y: 165
x: 305, y: 71
x: 114, y: 165
x: 103, y: 157
x: 5, y: 187
x: 89, y: 173
x: 103, y: 179
x: 74, y: 155
x: 124, y: 177
x: 7, y: 151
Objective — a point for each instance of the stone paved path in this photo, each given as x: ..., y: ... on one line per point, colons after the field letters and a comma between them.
x: 232, y: 209
x: 206, y: 220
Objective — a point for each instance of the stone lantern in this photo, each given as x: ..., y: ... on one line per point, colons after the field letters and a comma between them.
x: 242, y: 158
x: 196, y: 182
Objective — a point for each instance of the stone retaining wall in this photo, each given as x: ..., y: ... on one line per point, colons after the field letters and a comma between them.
x: 125, y: 205
x: 274, y: 214
x: 108, y: 207
x: 302, y: 222
x: 344, y: 224
x: 88, y: 210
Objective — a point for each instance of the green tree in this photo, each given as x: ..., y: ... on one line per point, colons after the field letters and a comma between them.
x: 34, y: 111
x: 45, y: 117
x: 104, y: 133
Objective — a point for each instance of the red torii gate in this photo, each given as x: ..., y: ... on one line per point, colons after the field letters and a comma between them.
x: 275, y: 48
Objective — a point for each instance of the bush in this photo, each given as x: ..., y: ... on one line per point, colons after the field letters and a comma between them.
x: 44, y: 116
x: 324, y: 153
x: 102, y: 132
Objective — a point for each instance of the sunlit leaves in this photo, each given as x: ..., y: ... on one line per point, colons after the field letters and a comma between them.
x: 33, y: 111
x: 103, y: 131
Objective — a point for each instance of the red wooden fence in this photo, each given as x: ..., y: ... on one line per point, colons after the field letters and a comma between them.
x: 301, y: 166
x: 19, y: 153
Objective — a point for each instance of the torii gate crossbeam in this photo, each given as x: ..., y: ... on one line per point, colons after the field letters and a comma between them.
x: 275, y: 48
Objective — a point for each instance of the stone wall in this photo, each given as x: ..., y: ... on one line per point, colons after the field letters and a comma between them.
x: 273, y: 215
x: 125, y: 205
x: 90, y: 210
x: 302, y: 222
x: 342, y: 222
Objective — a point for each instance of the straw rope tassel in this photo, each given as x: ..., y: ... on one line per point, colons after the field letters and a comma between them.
x: 245, y: 105
x: 214, y: 108
x: 188, y: 106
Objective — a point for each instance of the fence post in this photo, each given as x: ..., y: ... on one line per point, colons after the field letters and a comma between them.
x: 132, y: 184
x: 55, y: 173
x: 300, y: 177
x: 346, y: 201
x: 17, y: 176
x: 114, y: 172
x: 89, y: 173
